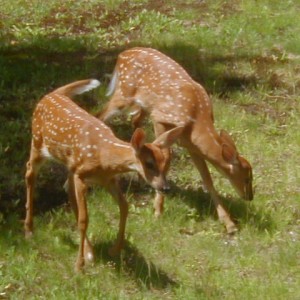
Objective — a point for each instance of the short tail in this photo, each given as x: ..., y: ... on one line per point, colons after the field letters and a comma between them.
x: 77, y: 87
x: 113, y: 82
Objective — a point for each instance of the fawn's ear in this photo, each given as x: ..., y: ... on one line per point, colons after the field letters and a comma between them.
x: 227, y: 139
x: 229, y: 154
x: 166, y: 139
x: 138, y: 139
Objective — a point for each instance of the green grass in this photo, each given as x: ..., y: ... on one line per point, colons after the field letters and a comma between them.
x: 246, y: 54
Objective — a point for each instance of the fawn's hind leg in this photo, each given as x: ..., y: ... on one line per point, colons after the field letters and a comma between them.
x: 32, y: 168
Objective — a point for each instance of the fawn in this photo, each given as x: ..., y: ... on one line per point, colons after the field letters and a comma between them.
x: 63, y: 131
x: 151, y: 83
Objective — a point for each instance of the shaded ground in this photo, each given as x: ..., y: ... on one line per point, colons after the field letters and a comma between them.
x: 28, y: 72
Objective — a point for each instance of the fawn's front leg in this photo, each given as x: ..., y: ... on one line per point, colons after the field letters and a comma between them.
x: 88, y: 249
x: 223, y: 215
x: 158, y: 203
x: 32, y: 168
x: 115, y: 191
x: 82, y: 219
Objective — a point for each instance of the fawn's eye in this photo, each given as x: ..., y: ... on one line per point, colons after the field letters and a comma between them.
x: 149, y: 164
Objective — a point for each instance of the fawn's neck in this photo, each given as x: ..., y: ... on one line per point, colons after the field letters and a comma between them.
x: 206, y: 138
x: 119, y: 158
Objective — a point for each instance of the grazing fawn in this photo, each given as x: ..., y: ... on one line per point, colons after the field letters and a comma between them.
x: 148, y: 81
x: 93, y: 155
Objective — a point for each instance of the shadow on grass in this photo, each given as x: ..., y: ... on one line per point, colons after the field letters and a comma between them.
x: 240, y: 211
x: 132, y: 262
x: 203, y: 67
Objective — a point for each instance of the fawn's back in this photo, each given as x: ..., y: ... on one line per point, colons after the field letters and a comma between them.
x: 65, y: 132
x: 159, y: 85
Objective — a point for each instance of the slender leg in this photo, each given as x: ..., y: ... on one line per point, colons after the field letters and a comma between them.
x: 223, y: 215
x: 82, y: 220
x: 115, y: 191
x: 32, y: 166
x: 159, y: 197
x: 88, y: 249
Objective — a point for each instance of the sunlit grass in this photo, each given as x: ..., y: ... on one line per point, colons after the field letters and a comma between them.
x: 246, y: 54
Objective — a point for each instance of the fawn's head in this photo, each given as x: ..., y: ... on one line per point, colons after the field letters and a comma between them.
x: 151, y: 161
x: 240, y: 171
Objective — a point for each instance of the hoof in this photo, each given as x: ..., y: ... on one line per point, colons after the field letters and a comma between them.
x: 231, y: 229
x: 78, y: 269
x: 88, y: 252
x: 79, y: 266
x: 89, y: 257
x: 157, y: 214
x: 28, y: 234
